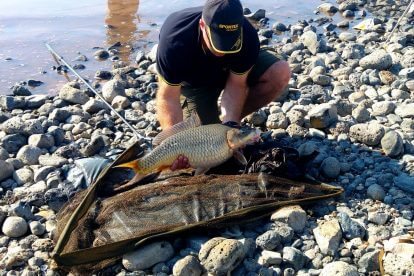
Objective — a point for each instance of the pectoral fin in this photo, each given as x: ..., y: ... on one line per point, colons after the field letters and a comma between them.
x: 201, y: 171
x: 240, y: 157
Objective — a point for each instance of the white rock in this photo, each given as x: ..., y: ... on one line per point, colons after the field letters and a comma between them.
x: 269, y: 258
x: 14, y: 227
x: 148, y: 255
x: 188, y: 265
x: 29, y: 155
x: 37, y: 228
x: 23, y: 176
x: 294, y: 216
x: 328, y: 235
x: 339, y: 268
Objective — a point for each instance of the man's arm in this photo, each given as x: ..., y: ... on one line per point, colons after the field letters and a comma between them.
x: 234, y: 97
x: 169, y: 113
x: 168, y: 105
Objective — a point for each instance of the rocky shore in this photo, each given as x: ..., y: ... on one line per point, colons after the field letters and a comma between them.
x: 350, y: 106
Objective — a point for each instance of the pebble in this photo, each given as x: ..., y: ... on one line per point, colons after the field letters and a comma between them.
x: 369, y: 134
x: 323, y: 116
x: 29, y: 155
x: 189, y: 265
x: 69, y: 92
x: 376, y: 192
x: 37, y: 228
x: 111, y: 89
x: 269, y: 240
x: 392, y: 144
x: 269, y: 258
x: 14, y: 227
x: 379, y: 60
x: 294, y: 257
x: 339, y: 268
x: 294, y: 216
x: 350, y: 228
x: 148, y: 255
x: 220, y: 256
x: 405, y: 110
x: 330, y: 167
x: 328, y: 235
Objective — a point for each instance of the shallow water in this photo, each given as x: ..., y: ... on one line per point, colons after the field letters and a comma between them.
x: 73, y: 27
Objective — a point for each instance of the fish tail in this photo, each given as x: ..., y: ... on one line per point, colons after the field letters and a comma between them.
x: 131, y: 165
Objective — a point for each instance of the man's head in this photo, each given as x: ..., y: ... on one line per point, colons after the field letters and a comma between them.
x: 222, y: 25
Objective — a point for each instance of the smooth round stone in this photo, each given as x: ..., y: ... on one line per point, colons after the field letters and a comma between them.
x: 14, y: 227
x: 376, y: 192
x: 23, y: 176
x: 392, y: 144
x: 331, y: 167
x: 29, y: 155
x: 37, y: 228
x: 339, y: 268
x: 187, y: 266
x: 346, y: 36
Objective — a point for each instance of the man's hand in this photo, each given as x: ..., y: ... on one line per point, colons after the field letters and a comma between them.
x: 180, y: 163
x: 234, y: 97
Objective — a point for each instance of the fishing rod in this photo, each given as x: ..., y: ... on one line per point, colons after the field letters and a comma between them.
x: 58, y: 58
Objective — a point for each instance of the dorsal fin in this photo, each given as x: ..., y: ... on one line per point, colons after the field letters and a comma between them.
x: 191, y: 122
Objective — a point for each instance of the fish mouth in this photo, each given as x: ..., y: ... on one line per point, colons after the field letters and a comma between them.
x: 255, y: 138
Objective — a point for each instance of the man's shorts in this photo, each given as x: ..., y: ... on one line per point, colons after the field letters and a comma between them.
x: 203, y: 100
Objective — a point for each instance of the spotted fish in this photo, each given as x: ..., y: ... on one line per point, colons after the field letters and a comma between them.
x: 205, y: 146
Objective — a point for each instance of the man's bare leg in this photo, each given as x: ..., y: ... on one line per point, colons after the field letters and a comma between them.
x: 270, y: 86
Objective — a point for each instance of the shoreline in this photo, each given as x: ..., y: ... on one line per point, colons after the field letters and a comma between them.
x: 350, y: 110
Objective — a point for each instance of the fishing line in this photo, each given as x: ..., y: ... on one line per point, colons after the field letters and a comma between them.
x: 58, y: 58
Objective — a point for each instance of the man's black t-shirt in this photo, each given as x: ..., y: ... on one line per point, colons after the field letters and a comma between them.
x: 181, y: 60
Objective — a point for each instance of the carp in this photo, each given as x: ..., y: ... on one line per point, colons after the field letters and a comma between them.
x: 205, y: 146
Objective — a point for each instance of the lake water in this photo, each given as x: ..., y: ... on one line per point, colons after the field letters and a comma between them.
x: 73, y: 27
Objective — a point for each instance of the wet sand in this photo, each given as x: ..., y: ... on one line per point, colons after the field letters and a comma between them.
x: 77, y: 27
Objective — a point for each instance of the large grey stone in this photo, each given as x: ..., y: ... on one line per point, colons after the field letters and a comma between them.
x: 392, y: 144
x: 331, y: 167
x: 148, y: 255
x: 311, y: 41
x: 17, y: 125
x: 328, y: 235
x: 370, y: 261
x: 351, y: 228
x: 323, y: 115
x: 14, y: 227
x: 188, y: 265
x: 29, y: 155
x: 382, y: 108
x: 111, y: 89
x: 94, y: 106
x: 220, y: 256
x: 41, y: 141
x: 23, y: 176
x: 72, y: 94
x: 405, y: 110
x: 339, y: 268
x: 294, y: 216
x: 376, y: 192
x: 405, y: 182
x: 4, y: 155
x: 269, y: 240
x: 294, y: 257
x: 379, y: 59
x: 369, y: 134
x: 10, y: 103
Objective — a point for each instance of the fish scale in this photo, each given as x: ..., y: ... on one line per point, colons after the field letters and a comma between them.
x: 204, y: 146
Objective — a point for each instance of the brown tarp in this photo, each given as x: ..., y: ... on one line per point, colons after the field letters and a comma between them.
x: 103, y: 222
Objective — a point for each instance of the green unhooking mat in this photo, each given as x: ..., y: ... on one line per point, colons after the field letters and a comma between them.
x: 118, y: 213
